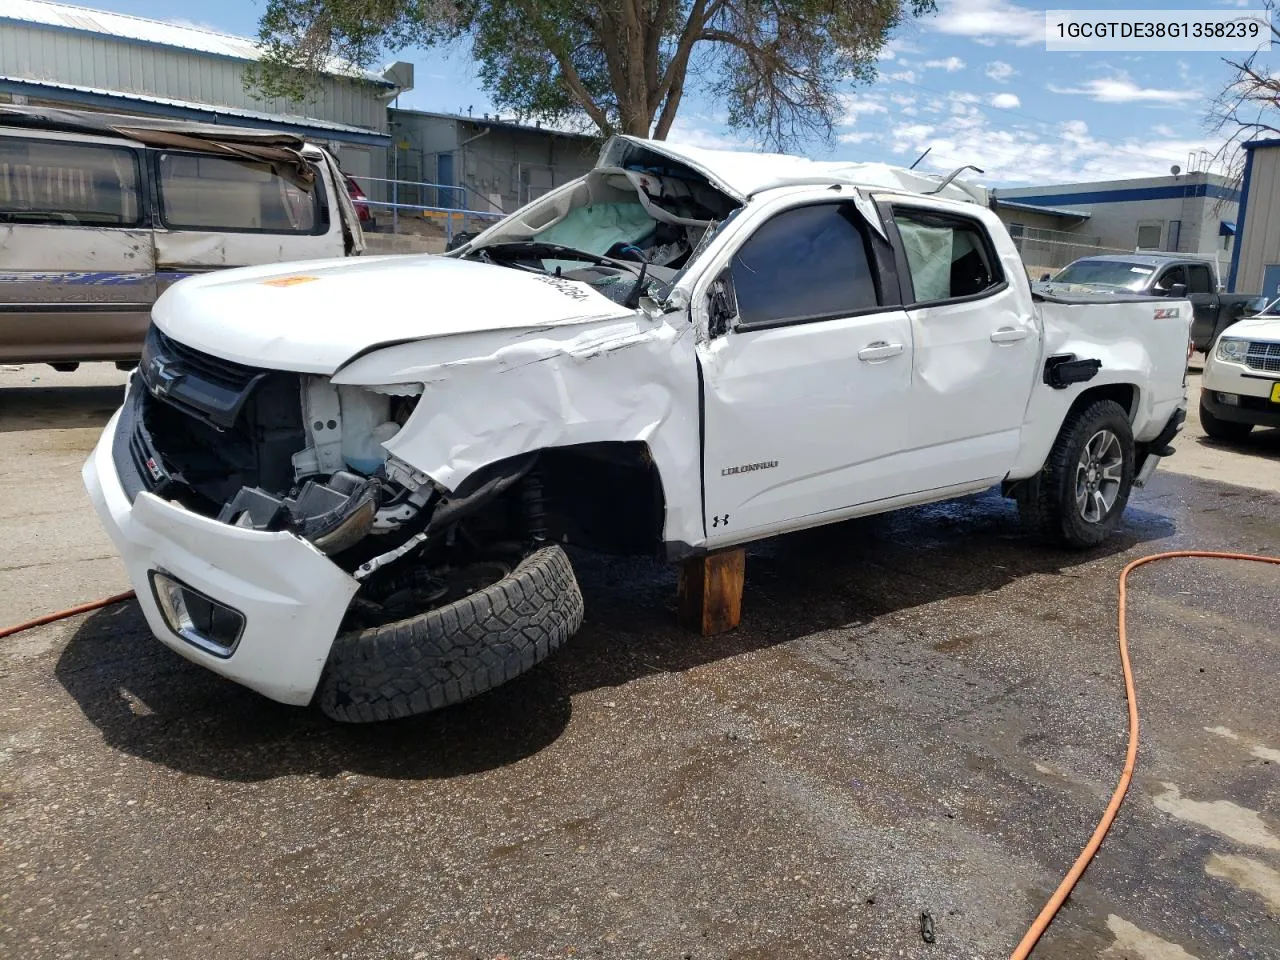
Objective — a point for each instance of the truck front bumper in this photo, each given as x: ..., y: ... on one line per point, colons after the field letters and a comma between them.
x: 278, y: 600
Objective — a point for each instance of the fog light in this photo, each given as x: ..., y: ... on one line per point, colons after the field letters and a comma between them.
x: 1229, y: 399
x: 200, y: 620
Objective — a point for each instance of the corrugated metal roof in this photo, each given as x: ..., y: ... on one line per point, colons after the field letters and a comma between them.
x: 268, y: 118
x: 141, y: 30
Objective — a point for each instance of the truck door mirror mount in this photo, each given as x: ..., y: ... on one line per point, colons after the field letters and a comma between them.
x: 1177, y: 291
x: 1044, y: 277
x: 720, y: 306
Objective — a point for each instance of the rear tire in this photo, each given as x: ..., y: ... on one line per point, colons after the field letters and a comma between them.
x: 1218, y: 429
x: 455, y: 652
x: 1079, y: 495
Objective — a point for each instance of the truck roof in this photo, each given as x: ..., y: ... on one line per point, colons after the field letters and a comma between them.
x: 1148, y: 259
x: 742, y: 173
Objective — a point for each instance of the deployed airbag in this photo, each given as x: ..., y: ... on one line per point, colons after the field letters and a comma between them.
x: 598, y: 227
x: 929, y: 255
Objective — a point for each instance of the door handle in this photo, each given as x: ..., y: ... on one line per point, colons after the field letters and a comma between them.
x: 1009, y: 335
x: 879, y: 350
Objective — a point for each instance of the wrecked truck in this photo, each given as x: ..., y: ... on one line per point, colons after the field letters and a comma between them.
x: 685, y: 350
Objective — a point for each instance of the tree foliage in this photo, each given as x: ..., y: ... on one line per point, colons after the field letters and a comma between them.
x: 776, y: 67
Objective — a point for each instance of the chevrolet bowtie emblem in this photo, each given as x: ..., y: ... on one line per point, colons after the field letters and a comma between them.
x: 162, y: 376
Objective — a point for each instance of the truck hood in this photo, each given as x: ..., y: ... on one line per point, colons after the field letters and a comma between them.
x: 312, y: 317
x: 1053, y: 289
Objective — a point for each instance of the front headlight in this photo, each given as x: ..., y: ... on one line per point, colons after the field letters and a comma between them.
x: 1232, y: 349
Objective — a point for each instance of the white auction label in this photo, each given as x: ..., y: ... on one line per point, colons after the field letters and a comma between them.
x: 1187, y: 30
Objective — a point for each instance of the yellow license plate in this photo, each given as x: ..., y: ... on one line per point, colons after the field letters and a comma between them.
x: 1275, y: 393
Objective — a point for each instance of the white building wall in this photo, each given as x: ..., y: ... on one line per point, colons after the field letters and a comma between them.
x: 1116, y: 222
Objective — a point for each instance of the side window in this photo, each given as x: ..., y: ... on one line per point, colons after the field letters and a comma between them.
x: 1149, y: 236
x: 199, y: 192
x: 948, y: 257
x: 51, y: 181
x: 1169, y: 278
x: 808, y: 263
x: 1199, y: 280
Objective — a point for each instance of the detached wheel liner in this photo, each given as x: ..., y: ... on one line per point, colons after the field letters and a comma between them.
x: 454, y: 652
x: 1078, y: 497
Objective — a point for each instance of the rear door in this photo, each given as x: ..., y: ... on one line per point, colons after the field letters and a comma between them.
x: 977, y: 348
x: 215, y: 212
x: 76, y: 257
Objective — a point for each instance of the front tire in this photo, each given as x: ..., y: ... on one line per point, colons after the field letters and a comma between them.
x: 1218, y: 429
x: 1079, y: 495
x: 454, y: 652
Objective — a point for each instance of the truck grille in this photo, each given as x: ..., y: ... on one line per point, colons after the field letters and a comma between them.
x: 201, y: 427
x: 1263, y: 356
x: 225, y: 373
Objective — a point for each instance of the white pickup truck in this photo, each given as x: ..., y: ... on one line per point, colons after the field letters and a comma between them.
x: 685, y: 350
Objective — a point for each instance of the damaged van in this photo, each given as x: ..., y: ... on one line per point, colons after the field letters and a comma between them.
x: 101, y: 213
x: 683, y: 351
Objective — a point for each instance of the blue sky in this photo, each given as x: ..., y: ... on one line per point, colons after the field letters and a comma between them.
x: 973, y: 82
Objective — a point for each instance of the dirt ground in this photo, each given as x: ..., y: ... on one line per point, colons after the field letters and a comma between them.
x: 921, y: 713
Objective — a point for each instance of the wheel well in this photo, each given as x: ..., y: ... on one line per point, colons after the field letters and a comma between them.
x: 1125, y: 394
x: 604, y: 496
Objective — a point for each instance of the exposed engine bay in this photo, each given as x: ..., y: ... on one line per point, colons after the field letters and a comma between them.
x: 280, y: 451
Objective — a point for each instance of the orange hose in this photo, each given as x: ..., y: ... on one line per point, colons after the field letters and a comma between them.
x: 1051, y: 908
x: 63, y: 614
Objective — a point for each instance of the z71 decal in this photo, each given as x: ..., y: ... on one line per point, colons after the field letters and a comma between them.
x: 1168, y: 313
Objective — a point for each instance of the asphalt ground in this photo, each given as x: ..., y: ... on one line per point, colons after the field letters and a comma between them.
x: 920, y: 713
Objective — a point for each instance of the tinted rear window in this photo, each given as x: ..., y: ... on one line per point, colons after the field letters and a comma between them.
x: 72, y: 184
x: 213, y: 193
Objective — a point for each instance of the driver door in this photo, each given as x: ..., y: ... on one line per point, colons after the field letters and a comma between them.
x: 805, y: 375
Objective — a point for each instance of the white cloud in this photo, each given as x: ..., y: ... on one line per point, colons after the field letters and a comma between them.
x: 907, y: 76
x: 1120, y: 89
x: 1164, y: 130
x: 857, y: 105
x: 691, y: 132
x: 950, y: 64
x: 902, y: 99
x: 895, y: 48
x: 857, y: 136
x: 1000, y: 71
x: 1005, y: 101
x: 989, y: 21
x: 1022, y: 155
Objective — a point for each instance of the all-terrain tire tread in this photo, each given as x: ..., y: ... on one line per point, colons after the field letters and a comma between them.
x: 1045, y: 502
x: 456, y: 652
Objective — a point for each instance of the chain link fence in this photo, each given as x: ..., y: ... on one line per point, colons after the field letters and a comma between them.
x: 1048, y: 251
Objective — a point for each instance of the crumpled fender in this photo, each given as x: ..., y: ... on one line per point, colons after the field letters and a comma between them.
x: 492, y: 395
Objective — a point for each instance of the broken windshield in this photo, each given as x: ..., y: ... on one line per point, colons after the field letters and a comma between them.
x: 1114, y: 274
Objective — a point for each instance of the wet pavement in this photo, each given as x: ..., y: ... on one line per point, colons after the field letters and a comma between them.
x: 920, y: 714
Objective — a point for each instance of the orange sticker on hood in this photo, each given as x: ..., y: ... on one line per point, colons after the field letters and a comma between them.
x: 287, y: 281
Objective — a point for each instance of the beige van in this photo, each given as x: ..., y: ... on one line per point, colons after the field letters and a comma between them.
x: 100, y: 214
